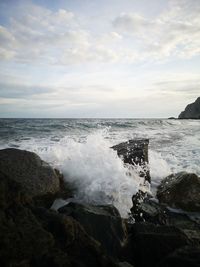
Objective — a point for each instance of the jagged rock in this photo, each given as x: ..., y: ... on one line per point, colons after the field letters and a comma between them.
x: 135, y: 152
x: 145, y: 209
x: 158, y: 214
x: 103, y: 223
x: 192, y: 111
x: 36, y: 177
x: 148, y: 244
x: 181, y: 190
x: 137, y: 200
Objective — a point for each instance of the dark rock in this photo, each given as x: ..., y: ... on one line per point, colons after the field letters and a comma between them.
x: 158, y: 214
x: 125, y: 264
x: 35, y: 176
x: 135, y: 152
x: 148, y: 244
x: 147, y: 210
x: 35, y: 237
x: 171, y: 118
x: 71, y: 238
x: 103, y: 223
x: 67, y: 190
x: 21, y: 236
x: 192, y: 111
x: 181, y: 190
x: 188, y: 256
x: 138, y: 200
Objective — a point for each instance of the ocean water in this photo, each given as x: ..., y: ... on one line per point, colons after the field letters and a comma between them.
x: 80, y: 148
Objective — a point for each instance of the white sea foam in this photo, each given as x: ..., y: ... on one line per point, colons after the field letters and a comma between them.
x: 159, y: 168
x: 96, y: 171
x: 86, y: 159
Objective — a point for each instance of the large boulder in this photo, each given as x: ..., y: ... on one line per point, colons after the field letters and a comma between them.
x: 36, y: 177
x: 181, y: 190
x: 135, y: 152
x: 102, y: 222
x: 192, y: 111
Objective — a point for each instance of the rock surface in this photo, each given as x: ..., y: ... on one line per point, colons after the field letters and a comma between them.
x: 101, y: 222
x: 135, y: 152
x: 35, y: 176
x: 82, y: 235
x: 181, y: 190
x: 192, y: 111
x: 32, y: 236
x: 155, y: 217
x: 148, y: 244
x: 188, y: 256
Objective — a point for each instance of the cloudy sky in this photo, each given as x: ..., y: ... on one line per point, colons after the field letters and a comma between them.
x: 98, y: 58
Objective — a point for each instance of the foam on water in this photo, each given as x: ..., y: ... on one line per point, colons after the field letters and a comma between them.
x: 81, y: 150
x: 96, y: 171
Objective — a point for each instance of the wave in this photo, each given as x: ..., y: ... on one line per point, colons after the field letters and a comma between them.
x: 84, y: 156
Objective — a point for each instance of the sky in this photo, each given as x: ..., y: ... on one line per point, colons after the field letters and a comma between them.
x: 98, y: 58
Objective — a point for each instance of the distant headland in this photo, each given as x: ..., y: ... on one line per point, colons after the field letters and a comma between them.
x: 192, y: 111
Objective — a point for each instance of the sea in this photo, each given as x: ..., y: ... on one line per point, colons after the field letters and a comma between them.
x: 80, y: 149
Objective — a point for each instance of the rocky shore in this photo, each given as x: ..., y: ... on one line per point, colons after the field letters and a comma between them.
x: 160, y: 231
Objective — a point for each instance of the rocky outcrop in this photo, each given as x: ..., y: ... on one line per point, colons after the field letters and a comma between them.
x: 135, y: 152
x: 181, y: 190
x: 101, y: 222
x: 192, y: 111
x: 161, y: 236
x: 84, y: 235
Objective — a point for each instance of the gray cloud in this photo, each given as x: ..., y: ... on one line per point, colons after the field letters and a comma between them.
x: 22, y: 91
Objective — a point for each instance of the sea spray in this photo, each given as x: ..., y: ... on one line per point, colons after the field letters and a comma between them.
x: 159, y: 168
x: 76, y: 145
x: 98, y: 173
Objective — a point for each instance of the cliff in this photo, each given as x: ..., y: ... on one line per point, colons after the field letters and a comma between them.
x: 192, y: 111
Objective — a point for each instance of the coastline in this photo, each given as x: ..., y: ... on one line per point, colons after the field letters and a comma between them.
x: 84, y: 234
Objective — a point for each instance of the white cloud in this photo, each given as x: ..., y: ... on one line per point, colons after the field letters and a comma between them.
x: 37, y: 34
x: 175, y: 32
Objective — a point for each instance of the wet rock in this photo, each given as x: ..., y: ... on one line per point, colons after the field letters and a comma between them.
x: 103, y: 223
x: 135, y: 152
x: 148, y: 244
x: 158, y: 214
x: 67, y: 190
x: 181, y: 190
x: 192, y: 111
x: 137, y: 200
x: 145, y: 209
x: 36, y: 177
